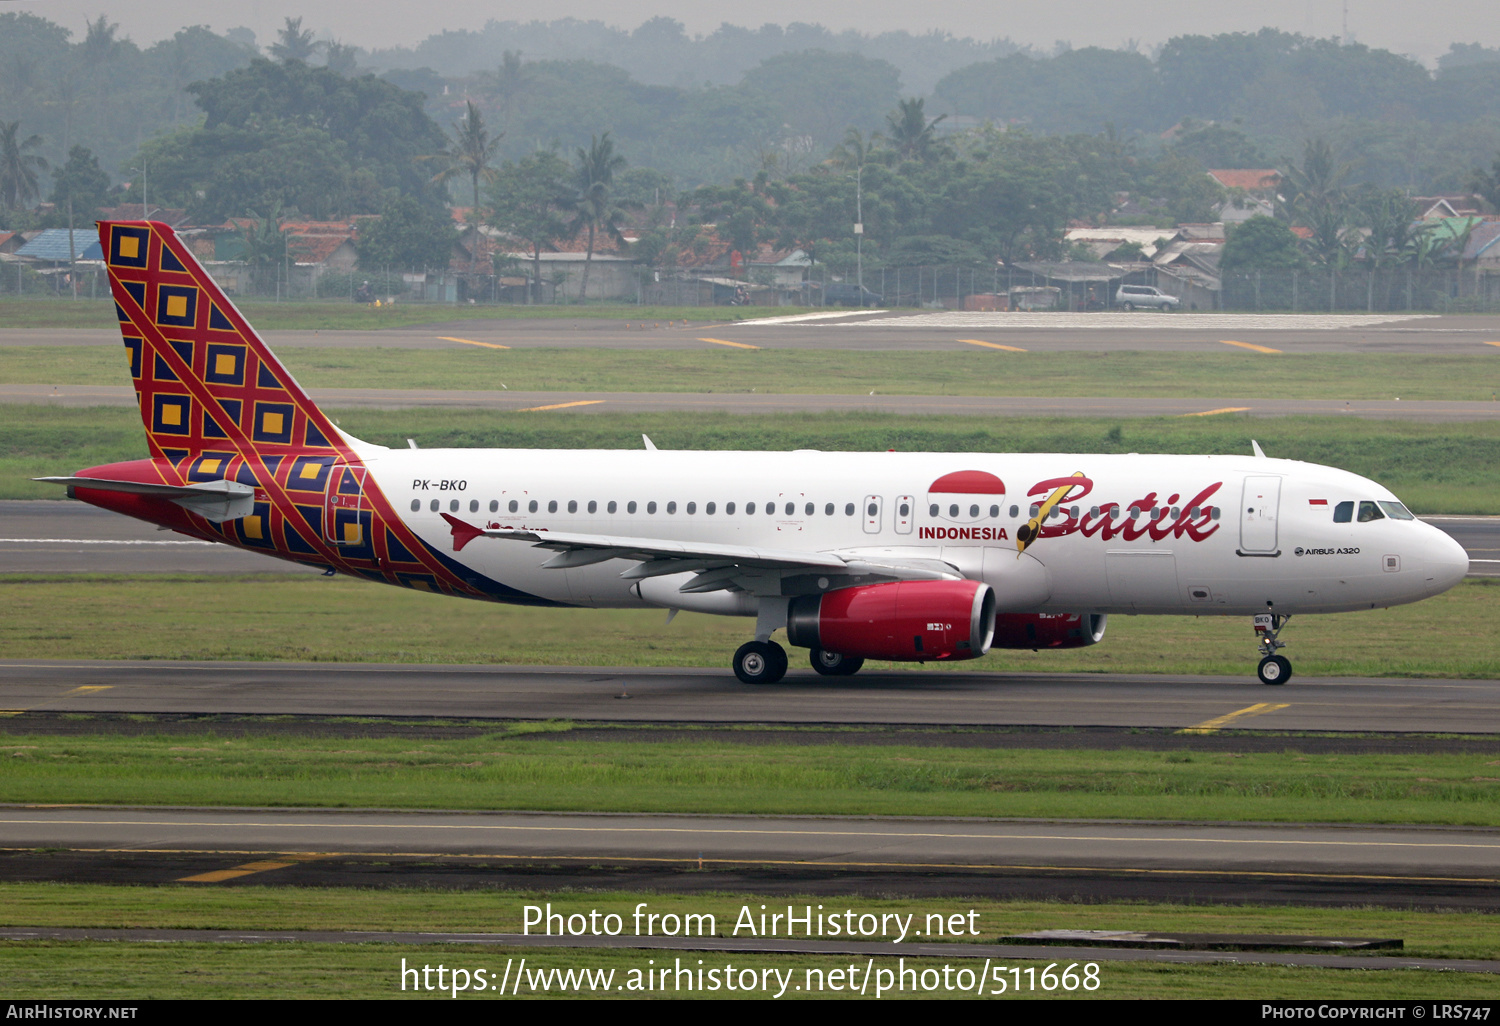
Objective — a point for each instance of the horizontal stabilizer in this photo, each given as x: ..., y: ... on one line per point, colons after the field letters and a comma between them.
x: 215, y: 501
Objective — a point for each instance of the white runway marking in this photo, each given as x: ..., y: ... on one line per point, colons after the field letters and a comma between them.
x: 956, y: 320
x: 805, y: 318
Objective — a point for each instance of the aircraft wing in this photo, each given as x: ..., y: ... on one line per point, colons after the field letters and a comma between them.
x: 720, y: 564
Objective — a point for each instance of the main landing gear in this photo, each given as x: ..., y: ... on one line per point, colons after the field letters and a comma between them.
x: 1273, y: 668
x: 834, y: 664
x: 760, y: 662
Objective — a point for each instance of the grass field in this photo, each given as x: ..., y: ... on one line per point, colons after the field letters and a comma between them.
x: 537, y: 767
x: 313, y: 618
x: 1434, y: 468
x: 267, y: 315
x: 1230, y: 375
x: 124, y: 970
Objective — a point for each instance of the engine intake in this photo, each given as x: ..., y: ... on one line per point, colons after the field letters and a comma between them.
x: 1049, y: 630
x: 901, y: 621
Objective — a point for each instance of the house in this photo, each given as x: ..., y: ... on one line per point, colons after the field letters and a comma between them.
x: 1252, y: 192
x: 1102, y: 242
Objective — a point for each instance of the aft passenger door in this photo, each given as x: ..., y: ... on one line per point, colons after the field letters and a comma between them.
x: 1259, y: 505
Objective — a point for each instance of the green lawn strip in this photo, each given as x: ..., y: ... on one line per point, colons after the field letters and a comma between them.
x: 1426, y: 934
x: 307, y: 617
x: 1135, y: 374
x: 333, y: 316
x: 1434, y: 468
x: 549, y: 772
x: 125, y: 971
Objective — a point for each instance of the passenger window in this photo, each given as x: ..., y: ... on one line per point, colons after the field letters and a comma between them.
x: 651, y: 507
x: 630, y: 506
x: 434, y: 505
x: 932, y: 510
x: 974, y: 510
x: 708, y: 508
x: 810, y: 509
x: 770, y: 509
x: 1015, y: 511
x: 729, y: 509
x: 593, y: 506
x: 873, y: 510
x: 749, y: 508
x: 952, y: 510
x: 1343, y: 513
x: 1396, y: 511
x: 994, y: 512
x: 672, y: 506
x: 905, y: 510
x: 473, y: 505
x: 416, y: 504
x: 531, y: 506
x: 572, y: 505
x: 828, y: 510
x: 692, y: 508
x: 494, y: 506
x: 791, y: 509
x: 552, y: 506
x: 452, y: 505
x: 1369, y: 511
x: 611, y: 507
x: 848, y: 509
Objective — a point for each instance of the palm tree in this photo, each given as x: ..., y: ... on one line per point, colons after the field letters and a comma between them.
x: 914, y: 137
x: 511, y: 81
x: 471, y: 152
x: 590, y: 202
x: 856, y: 150
x: 1317, y: 197
x: 19, y: 169
x: 294, y: 44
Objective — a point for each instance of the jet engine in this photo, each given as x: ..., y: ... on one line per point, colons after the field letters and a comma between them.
x: 1049, y: 630
x: 902, y: 620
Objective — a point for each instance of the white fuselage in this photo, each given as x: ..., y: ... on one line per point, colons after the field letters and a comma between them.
x: 1211, y: 535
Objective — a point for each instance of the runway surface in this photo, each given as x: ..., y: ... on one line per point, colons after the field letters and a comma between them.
x: 1463, y: 854
x: 1430, y: 410
x: 59, y: 536
x: 903, y: 330
x: 706, y: 696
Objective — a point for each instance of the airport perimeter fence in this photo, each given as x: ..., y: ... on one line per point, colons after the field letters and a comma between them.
x: 950, y: 287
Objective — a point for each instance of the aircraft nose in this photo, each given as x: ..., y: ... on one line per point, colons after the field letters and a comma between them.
x: 1447, y: 562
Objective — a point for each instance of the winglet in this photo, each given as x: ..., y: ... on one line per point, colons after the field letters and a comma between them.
x: 462, y: 533
x: 650, y: 445
x: 1256, y: 446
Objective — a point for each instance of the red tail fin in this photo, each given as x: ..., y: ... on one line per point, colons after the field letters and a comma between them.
x: 204, y: 379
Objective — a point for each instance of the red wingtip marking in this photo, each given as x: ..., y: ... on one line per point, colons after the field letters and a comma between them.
x: 462, y: 533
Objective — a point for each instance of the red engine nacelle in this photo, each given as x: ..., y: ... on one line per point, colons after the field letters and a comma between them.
x: 1049, y: 630
x: 903, y: 620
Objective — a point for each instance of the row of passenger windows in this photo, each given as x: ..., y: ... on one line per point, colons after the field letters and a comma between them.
x: 829, y: 509
x: 691, y: 508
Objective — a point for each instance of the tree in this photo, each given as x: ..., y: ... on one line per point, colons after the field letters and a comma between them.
x: 81, y: 183
x: 340, y: 59
x: 526, y: 204
x: 511, y: 82
x: 470, y: 152
x: 1261, y: 243
x: 407, y: 234
x: 293, y: 44
x: 19, y: 169
x: 857, y: 150
x: 913, y: 136
x: 1487, y: 184
x: 591, y: 202
x: 1316, y: 195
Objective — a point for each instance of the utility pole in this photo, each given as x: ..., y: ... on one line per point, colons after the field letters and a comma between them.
x: 859, y: 232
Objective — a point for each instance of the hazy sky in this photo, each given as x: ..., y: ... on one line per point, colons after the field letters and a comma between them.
x: 1423, y: 30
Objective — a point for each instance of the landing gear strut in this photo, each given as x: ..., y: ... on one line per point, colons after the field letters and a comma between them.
x: 1273, y: 669
x: 760, y: 662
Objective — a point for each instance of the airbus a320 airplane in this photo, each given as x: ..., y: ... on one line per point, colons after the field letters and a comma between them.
x: 895, y: 556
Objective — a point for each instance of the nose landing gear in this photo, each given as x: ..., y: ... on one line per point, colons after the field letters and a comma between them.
x: 1273, y: 668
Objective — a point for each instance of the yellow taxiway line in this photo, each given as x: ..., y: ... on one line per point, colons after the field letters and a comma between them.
x: 561, y: 406
x: 726, y: 342
x: 87, y: 689
x: 471, y: 342
x: 248, y: 869
x: 1249, y: 345
x: 1492, y: 343
x: 1222, y: 409
x: 1214, y: 725
x: 992, y: 345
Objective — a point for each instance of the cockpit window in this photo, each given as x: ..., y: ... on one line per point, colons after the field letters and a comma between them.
x: 1396, y: 511
x: 1343, y: 512
x: 1369, y: 511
